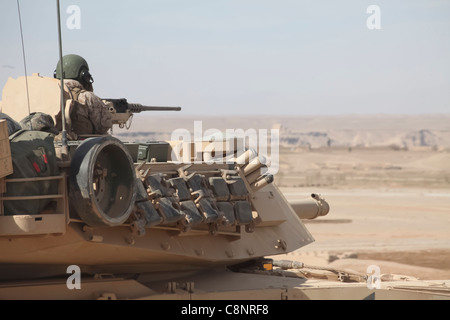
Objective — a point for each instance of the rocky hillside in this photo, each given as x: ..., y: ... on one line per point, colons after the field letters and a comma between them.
x: 393, y: 131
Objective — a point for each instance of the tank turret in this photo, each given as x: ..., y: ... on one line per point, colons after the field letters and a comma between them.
x: 115, y: 205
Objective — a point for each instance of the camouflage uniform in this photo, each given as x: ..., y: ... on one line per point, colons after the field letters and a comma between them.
x: 12, y: 124
x: 39, y: 121
x: 90, y: 115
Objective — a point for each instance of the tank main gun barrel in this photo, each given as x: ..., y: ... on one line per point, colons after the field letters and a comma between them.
x: 311, y: 208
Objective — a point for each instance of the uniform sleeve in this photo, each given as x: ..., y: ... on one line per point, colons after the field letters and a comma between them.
x: 98, y: 112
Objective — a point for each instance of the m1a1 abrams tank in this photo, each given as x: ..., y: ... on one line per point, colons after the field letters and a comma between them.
x: 103, y: 219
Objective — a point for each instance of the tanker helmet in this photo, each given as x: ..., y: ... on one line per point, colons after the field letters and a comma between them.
x: 74, y: 67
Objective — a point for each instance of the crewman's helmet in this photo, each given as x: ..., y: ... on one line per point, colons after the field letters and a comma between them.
x: 74, y: 67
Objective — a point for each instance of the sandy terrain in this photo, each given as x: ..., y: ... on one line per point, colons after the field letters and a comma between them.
x: 388, y: 208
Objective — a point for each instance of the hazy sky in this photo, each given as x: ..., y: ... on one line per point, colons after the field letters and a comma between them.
x: 247, y: 56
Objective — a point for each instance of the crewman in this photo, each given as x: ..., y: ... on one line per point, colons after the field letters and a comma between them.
x: 89, y: 114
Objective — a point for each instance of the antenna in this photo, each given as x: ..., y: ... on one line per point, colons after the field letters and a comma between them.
x: 64, y: 151
x: 24, y: 60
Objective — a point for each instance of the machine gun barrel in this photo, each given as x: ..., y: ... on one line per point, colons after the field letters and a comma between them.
x: 136, y: 108
x: 122, y: 111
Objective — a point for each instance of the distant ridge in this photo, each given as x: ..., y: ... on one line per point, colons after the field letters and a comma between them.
x: 378, y: 130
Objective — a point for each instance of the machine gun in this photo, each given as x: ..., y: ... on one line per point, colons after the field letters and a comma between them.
x: 122, y: 111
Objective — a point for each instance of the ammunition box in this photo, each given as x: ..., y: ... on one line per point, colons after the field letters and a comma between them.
x: 153, y: 151
x: 133, y: 149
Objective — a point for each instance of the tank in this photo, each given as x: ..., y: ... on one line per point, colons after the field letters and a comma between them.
x: 130, y: 221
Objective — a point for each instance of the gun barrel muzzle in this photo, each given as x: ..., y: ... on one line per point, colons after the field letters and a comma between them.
x: 311, y: 208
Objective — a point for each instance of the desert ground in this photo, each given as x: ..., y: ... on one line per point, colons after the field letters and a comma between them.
x: 396, y: 219
x: 386, y: 178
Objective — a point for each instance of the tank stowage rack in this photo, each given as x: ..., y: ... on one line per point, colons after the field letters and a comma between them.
x: 49, y: 221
